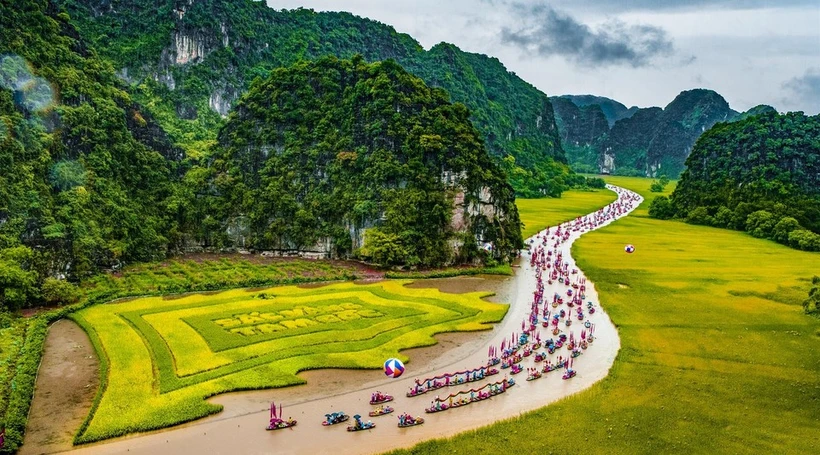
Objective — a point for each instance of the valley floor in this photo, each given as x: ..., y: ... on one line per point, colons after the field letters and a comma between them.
x: 248, y: 410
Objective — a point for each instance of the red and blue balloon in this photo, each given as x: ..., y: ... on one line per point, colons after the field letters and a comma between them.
x: 393, y: 368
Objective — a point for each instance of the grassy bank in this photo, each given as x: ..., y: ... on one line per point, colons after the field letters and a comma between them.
x: 213, y: 272
x: 717, y: 355
x: 537, y: 214
x: 503, y: 269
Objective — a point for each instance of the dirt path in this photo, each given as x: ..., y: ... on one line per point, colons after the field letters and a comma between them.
x: 240, y: 428
x: 66, y: 385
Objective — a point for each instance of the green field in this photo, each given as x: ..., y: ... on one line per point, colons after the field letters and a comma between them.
x: 202, y: 345
x: 537, y: 214
x: 213, y: 272
x: 640, y: 185
x: 717, y: 355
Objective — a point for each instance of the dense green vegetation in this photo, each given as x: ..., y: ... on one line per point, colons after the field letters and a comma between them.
x: 716, y: 354
x: 760, y: 174
x: 187, y: 60
x: 627, y: 142
x: 214, y: 273
x: 86, y: 181
x: 363, y: 158
x: 643, y: 142
x: 164, y: 356
x: 78, y: 189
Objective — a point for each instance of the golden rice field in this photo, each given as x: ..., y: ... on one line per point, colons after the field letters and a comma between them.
x: 163, y: 356
x: 716, y: 354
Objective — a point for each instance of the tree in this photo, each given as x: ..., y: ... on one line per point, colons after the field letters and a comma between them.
x: 383, y: 248
x: 18, y: 283
x: 661, y: 208
x: 700, y: 215
x: 783, y: 228
x: 60, y: 292
x: 760, y: 224
x: 659, y: 185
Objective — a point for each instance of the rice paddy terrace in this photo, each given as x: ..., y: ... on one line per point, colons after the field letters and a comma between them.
x: 163, y: 356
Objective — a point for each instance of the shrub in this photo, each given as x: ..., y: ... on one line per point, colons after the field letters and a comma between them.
x: 60, y: 292
x: 724, y: 217
x: 812, y: 304
x: 742, y: 212
x: 656, y: 187
x: 783, y: 228
x: 805, y: 240
x: 661, y: 208
x: 595, y: 182
x: 760, y: 224
x: 700, y: 215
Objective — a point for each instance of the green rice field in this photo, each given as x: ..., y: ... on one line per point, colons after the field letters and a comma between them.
x: 716, y: 354
x: 162, y: 356
x: 537, y: 214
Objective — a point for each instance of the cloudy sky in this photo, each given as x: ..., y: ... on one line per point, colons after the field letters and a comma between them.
x: 640, y: 52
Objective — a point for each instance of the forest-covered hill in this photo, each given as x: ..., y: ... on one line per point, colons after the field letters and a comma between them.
x: 189, y: 61
x: 87, y: 176
x: 91, y: 181
x: 319, y: 153
x: 760, y: 174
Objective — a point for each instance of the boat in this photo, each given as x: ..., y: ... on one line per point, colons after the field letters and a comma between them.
x: 335, y: 417
x: 380, y: 411
x: 548, y: 367
x: 534, y: 374
x: 568, y: 374
x: 379, y: 398
x: 358, y: 425
x: 276, y: 422
x: 406, y: 420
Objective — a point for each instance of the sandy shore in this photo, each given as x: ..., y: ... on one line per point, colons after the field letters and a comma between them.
x: 240, y: 428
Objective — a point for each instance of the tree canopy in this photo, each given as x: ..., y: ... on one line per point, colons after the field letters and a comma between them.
x: 760, y: 174
x: 320, y: 152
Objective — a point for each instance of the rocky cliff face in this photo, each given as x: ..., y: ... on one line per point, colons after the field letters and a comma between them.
x: 314, y: 158
x: 626, y: 145
x: 649, y: 142
x: 688, y: 116
x: 613, y: 110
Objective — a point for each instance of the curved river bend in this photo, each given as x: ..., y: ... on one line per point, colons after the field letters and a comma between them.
x: 240, y: 428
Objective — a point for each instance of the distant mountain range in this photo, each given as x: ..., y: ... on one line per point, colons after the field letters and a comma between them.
x: 613, y: 110
x: 639, y: 141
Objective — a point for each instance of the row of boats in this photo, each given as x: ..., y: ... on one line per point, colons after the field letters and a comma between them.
x: 335, y: 418
x: 567, y: 304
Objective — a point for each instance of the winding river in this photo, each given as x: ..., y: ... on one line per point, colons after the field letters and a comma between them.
x: 240, y: 428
